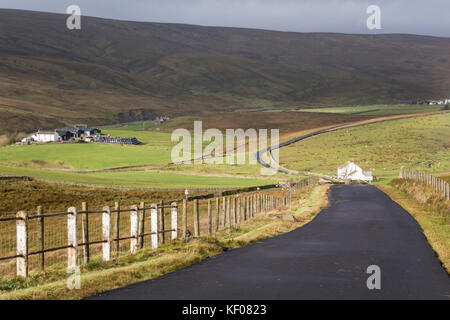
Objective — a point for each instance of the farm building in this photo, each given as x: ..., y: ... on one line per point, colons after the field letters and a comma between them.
x: 113, y: 140
x: 77, y: 132
x: 350, y: 171
x: 46, y: 136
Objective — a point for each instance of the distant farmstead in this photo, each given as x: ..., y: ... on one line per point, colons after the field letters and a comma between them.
x: 350, y: 171
x: 46, y: 136
x: 78, y: 133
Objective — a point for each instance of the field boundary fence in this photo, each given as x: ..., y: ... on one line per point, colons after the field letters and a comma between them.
x: 439, y: 185
x: 40, y: 240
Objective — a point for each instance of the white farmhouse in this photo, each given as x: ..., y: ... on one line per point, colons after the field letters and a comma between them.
x: 350, y: 171
x: 46, y: 136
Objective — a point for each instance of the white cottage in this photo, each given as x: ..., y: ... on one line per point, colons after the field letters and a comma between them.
x: 46, y: 136
x: 350, y: 171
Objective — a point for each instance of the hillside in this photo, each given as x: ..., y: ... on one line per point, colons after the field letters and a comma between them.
x: 117, y: 71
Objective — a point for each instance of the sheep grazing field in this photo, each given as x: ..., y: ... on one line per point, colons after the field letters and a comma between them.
x: 421, y: 143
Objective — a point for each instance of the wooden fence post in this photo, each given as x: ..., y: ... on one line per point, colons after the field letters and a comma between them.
x: 234, y: 211
x: 106, y: 233
x: 184, y: 219
x: 217, y: 213
x: 162, y: 225
x: 133, y: 229
x: 209, y: 218
x: 40, y: 238
x: 228, y: 211
x: 22, y: 244
x: 258, y: 203
x: 85, y: 232
x: 239, y: 210
x: 72, y: 239
x: 245, y: 208
x: 224, y: 211
x: 117, y: 229
x: 141, y: 215
x: 174, y: 220
x: 196, y: 219
x: 154, y: 225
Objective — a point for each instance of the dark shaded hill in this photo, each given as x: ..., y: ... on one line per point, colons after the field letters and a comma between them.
x: 113, y: 71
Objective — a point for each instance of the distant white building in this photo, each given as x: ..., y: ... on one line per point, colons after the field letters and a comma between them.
x: 447, y: 101
x: 46, y: 136
x: 350, y: 171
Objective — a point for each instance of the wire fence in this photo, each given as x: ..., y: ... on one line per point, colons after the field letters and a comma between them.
x: 439, y: 185
x: 39, y: 240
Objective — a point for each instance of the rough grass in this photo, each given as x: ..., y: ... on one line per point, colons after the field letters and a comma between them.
x: 148, y: 264
x: 430, y: 211
x: 27, y: 195
x: 382, y: 148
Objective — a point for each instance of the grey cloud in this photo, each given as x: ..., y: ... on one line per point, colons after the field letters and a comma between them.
x: 349, y: 16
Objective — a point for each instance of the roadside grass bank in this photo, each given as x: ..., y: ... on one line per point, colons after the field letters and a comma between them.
x: 429, y: 209
x: 97, y: 277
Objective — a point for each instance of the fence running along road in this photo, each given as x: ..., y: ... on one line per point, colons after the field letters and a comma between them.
x: 439, y: 185
x: 51, y: 240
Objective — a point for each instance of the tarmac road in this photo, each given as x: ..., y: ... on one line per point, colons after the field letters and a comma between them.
x: 325, y: 259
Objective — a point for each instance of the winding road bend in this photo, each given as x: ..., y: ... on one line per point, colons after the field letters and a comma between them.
x: 325, y: 259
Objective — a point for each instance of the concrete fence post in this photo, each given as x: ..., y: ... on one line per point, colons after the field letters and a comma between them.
x: 162, y: 224
x: 174, y: 220
x: 106, y: 233
x: 154, y: 225
x: 85, y: 232
x: 22, y: 244
x: 133, y: 229
x: 72, y: 239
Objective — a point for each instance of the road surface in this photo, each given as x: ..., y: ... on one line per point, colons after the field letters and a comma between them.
x: 325, y: 259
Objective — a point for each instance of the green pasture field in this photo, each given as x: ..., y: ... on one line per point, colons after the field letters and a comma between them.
x: 141, y: 179
x: 82, y: 155
x: 382, y: 148
x: 60, y: 162
x: 377, y: 110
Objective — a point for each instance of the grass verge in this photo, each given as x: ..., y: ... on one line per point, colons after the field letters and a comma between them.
x: 433, y: 218
x: 98, y: 277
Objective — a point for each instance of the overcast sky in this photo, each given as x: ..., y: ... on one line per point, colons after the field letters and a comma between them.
x: 429, y: 17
